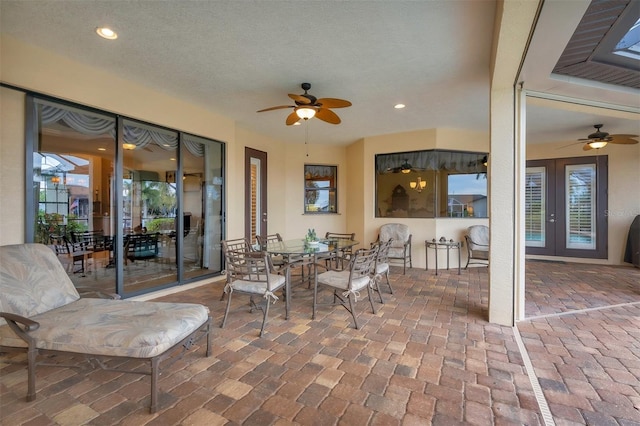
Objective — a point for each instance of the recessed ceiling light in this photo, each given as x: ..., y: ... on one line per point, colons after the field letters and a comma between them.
x: 107, y: 33
x: 399, y: 106
x: 102, y: 149
x: 172, y: 159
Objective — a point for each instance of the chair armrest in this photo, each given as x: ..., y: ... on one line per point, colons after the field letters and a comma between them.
x: 407, y: 244
x: 470, y: 242
x: 15, y: 319
x: 21, y: 326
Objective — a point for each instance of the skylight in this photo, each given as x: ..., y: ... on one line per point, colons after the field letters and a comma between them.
x: 629, y: 44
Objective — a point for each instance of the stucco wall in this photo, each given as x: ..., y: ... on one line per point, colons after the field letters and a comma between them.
x: 421, y: 229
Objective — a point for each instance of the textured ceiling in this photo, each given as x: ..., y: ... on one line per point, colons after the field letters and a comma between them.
x: 236, y: 57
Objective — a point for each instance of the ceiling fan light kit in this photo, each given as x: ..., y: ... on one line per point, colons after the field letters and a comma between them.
x: 305, y: 112
x: 599, y: 139
x: 308, y: 106
x: 597, y: 144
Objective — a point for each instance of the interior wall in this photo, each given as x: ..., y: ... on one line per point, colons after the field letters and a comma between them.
x: 421, y: 229
x: 296, y: 222
x: 624, y: 190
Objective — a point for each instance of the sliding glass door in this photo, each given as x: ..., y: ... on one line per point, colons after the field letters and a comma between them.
x: 129, y: 210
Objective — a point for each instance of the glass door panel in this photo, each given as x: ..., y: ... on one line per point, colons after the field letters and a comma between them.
x: 580, y: 206
x: 535, y: 206
x: 73, y: 162
x: 149, y: 203
x: 202, y: 206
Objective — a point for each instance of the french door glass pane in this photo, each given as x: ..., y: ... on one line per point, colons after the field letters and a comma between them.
x: 535, y: 209
x: 580, y: 187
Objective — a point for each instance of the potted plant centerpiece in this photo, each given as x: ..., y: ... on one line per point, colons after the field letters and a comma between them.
x: 311, y: 238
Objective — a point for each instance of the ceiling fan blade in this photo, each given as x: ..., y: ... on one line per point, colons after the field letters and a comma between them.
x: 276, y: 107
x: 328, y: 116
x: 572, y: 144
x: 623, y: 139
x: 333, y: 103
x: 300, y: 99
x: 292, y: 118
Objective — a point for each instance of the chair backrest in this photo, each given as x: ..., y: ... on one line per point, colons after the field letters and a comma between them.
x: 60, y: 244
x: 363, y: 264
x: 397, y: 232
x: 252, y: 266
x: 32, y: 280
x: 263, y: 241
x: 478, y: 237
x: 383, y: 251
x: 142, y: 246
x: 238, y: 244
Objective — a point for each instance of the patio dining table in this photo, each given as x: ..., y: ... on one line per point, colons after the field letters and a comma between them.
x: 303, y: 253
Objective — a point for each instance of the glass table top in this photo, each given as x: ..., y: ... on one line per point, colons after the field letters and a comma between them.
x: 300, y: 246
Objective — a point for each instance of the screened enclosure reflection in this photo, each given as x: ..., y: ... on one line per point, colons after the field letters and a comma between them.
x: 431, y: 183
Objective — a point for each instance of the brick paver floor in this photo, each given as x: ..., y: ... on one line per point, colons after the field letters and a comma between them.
x: 428, y: 356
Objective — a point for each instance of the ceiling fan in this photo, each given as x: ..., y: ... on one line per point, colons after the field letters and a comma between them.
x: 600, y: 139
x: 308, y: 106
x: 405, y: 167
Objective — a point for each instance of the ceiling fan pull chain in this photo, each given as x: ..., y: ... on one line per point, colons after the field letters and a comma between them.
x: 306, y: 136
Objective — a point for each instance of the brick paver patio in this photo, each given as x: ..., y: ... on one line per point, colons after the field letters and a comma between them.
x: 428, y: 356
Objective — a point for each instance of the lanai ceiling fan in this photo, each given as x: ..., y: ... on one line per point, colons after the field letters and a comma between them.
x: 308, y: 106
x: 600, y: 139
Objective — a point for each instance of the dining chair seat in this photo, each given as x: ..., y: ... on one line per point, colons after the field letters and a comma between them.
x: 260, y: 287
x: 252, y: 273
x: 347, y: 284
x: 340, y: 279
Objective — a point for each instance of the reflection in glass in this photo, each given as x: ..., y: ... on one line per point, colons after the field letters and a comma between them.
x: 149, y: 206
x: 320, y: 189
x: 434, y: 183
x: 202, y: 188
x: 167, y: 202
x: 72, y: 164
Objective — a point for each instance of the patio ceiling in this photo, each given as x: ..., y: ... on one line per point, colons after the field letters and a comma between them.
x: 235, y: 58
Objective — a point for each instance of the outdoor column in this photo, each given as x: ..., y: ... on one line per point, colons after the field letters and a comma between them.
x: 514, y: 22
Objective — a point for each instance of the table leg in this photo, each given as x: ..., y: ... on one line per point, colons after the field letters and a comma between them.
x: 448, y: 247
x: 458, y: 259
x: 436, y: 251
x: 426, y: 257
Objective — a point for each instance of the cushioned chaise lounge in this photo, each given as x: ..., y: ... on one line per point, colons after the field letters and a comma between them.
x: 41, y: 312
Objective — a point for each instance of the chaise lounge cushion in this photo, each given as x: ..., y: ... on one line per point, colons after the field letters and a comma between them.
x: 112, y: 327
x: 43, y: 282
x: 34, y: 284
